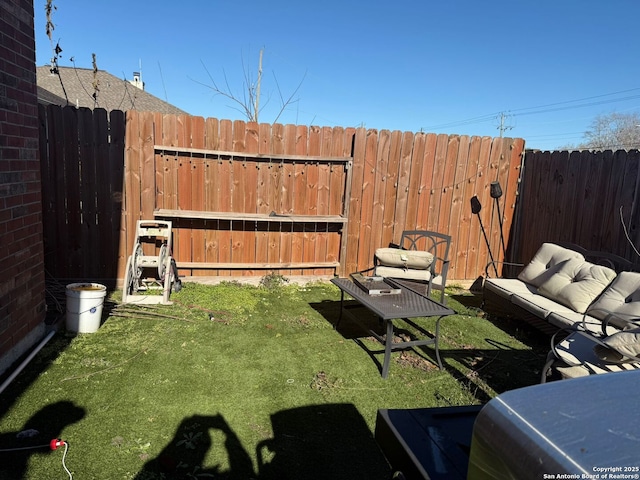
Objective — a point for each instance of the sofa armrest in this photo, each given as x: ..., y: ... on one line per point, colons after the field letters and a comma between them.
x: 629, y: 322
x: 494, y: 266
x: 612, y: 321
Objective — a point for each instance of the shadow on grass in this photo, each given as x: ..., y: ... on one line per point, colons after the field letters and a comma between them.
x: 184, y: 456
x: 48, y: 421
x: 503, y: 367
x: 498, y: 367
x: 39, y: 364
x: 54, y: 319
x: 361, y: 329
x: 313, y: 442
x: 35, y: 437
x: 521, y: 331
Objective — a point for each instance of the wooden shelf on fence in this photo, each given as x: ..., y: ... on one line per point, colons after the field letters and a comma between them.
x: 250, y: 217
x: 319, y: 221
x: 257, y: 266
x: 162, y: 149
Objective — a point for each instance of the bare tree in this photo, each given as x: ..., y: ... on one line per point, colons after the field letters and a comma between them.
x: 614, y: 131
x: 249, y: 103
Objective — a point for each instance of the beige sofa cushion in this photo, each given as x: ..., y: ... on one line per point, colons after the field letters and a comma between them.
x: 410, y: 259
x: 620, y: 301
x: 546, y: 262
x: 577, y: 283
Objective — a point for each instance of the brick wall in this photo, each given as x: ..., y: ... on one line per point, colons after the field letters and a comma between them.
x: 22, y: 302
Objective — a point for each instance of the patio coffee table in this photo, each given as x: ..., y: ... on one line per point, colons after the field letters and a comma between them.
x: 404, y: 306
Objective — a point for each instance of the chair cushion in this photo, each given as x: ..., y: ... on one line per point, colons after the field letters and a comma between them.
x: 399, y: 272
x: 620, y: 346
x: 620, y: 301
x: 410, y: 259
x: 577, y: 357
x: 577, y: 283
x: 546, y: 262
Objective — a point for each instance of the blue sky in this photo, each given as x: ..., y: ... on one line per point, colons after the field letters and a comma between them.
x: 438, y: 66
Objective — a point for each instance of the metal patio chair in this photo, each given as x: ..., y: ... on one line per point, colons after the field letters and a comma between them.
x: 420, y: 261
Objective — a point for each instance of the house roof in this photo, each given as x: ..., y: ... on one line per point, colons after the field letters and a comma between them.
x: 113, y: 93
x: 49, y: 98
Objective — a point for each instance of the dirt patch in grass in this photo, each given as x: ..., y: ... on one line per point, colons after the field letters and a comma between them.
x: 321, y: 381
x: 410, y: 359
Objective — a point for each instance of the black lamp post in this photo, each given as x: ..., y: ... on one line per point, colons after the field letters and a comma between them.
x: 496, y: 192
x: 476, y: 206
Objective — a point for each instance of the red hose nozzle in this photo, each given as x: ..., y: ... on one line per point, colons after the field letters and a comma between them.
x: 56, y: 443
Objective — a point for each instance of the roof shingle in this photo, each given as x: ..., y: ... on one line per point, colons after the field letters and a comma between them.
x: 113, y: 93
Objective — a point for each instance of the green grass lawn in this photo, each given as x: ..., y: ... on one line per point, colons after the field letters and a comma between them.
x: 237, y: 381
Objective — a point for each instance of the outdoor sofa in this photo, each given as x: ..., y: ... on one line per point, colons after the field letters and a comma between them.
x: 566, y: 289
x: 564, y: 286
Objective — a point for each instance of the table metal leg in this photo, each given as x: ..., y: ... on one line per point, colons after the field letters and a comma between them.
x: 335, y: 327
x: 436, y: 342
x: 388, y: 344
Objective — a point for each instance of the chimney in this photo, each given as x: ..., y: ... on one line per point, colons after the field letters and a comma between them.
x: 137, y: 81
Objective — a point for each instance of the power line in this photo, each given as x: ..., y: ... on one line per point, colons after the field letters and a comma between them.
x: 480, y: 119
x: 558, y: 109
x: 578, y: 100
x: 551, y: 107
x: 555, y: 134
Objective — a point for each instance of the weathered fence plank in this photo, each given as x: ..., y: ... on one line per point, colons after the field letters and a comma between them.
x: 198, y: 166
x: 263, y: 195
x: 391, y: 190
x: 460, y: 212
x: 288, y: 190
x: 402, y: 182
x: 426, y: 180
x: 446, y: 192
x: 469, y: 233
x: 71, y: 162
x: 511, y: 192
x: 116, y: 234
x: 225, y: 187
x: 303, y: 139
x: 437, y: 180
x: 374, y: 186
x: 49, y: 165
x: 212, y: 194
x: 106, y: 258
x: 251, y: 140
x: 414, y: 193
x: 358, y: 230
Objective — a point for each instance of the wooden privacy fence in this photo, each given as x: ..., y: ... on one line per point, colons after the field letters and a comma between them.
x: 586, y: 198
x: 245, y: 197
x: 248, y: 198
x: 82, y: 162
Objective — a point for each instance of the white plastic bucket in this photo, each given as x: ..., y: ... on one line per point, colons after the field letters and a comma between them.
x: 84, y: 307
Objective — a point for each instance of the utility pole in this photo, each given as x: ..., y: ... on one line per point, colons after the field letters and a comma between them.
x: 257, y: 102
x: 502, y: 127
